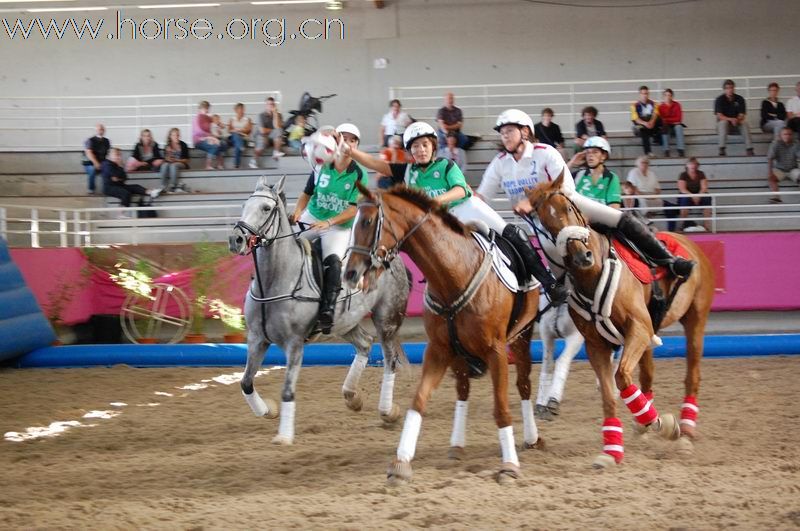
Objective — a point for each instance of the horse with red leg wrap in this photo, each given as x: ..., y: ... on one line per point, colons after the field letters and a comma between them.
x: 625, y: 318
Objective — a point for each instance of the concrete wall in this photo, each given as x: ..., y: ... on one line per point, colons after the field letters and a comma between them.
x: 424, y: 41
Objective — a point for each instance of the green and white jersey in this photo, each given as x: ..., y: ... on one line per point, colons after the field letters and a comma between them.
x: 332, y: 192
x: 607, y: 190
x: 438, y: 178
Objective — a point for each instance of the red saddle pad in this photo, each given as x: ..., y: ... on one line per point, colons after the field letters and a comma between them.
x: 640, y: 269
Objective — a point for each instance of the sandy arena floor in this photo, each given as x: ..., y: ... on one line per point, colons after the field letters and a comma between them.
x: 201, y: 460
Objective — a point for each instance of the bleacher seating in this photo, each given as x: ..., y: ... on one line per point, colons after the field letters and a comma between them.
x: 55, y: 179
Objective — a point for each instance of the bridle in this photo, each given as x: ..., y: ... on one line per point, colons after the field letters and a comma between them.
x: 380, y: 256
x: 579, y: 215
x: 256, y: 237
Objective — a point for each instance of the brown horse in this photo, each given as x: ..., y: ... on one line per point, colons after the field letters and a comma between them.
x: 468, y: 314
x: 585, y: 252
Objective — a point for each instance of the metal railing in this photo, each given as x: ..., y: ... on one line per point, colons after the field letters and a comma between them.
x: 41, y: 122
x: 482, y: 103
x: 43, y: 226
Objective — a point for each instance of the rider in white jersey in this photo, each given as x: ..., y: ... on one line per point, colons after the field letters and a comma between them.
x: 524, y: 164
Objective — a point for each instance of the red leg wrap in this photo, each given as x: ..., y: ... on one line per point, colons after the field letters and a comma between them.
x: 643, y: 411
x: 650, y: 396
x: 689, y: 411
x: 612, y: 439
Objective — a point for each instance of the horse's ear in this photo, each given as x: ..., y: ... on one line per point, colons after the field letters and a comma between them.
x: 279, y: 185
x: 262, y: 183
x: 558, y: 182
x: 365, y: 191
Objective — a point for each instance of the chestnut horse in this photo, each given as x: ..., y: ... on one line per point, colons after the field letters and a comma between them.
x: 467, y: 316
x: 584, y: 252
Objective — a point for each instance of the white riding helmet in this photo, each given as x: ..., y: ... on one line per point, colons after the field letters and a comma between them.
x: 598, y: 142
x: 349, y: 128
x: 515, y: 117
x: 415, y: 131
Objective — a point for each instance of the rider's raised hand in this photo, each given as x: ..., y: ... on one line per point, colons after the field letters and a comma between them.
x: 523, y: 208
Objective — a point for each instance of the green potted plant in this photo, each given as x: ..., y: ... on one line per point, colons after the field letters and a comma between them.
x: 60, y: 297
x: 233, y: 319
x: 206, y: 255
x: 138, y: 281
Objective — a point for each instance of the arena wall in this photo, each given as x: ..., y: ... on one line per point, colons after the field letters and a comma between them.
x: 425, y: 42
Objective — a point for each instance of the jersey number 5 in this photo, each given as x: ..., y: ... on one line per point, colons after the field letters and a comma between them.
x: 324, y: 179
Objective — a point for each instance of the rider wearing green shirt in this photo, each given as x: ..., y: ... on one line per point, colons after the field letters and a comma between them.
x: 327, y: 205
x: 598, y: 182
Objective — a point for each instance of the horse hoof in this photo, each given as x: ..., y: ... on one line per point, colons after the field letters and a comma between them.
x: 685, y: 446
x: 554, y: 406
x: 399, y: 473
x: 392, y: 416
x: 603, y: 461
x: 669, y: 429
x: 538, y: 445
x: 687, y: 431
x: 353, y: 400
x: 282, y: 440
x: 542, y: 413
x: 456, y: 453
x: 272, y: 409
x: 508, y: 473
x: 639, y: 430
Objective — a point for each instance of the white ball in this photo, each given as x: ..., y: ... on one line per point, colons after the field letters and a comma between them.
x: 320, y: 149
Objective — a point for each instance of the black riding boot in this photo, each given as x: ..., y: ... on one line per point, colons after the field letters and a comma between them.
x: 636, y: 231
x: 331, y: 286
x: 534, y: 265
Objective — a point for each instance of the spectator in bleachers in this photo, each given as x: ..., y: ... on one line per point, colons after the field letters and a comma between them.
x: 644, y: 115
x: 269, y: 132
x: 393, y: 122
x: 589, y: 126
x: 773, y: 113
x: 239, y: 127
x: 452, y: 152
x: 783, y: 161
x: 115, y: 185
x: 596, y: 181
x: 95, y: 149
x: 630, y: 202
x: 450, y: 120
x: 731, y: 111
x: 548, y: 132
x: 204, y: 139
x: 176, y: 158
x: 690, y: 183
x: 671, y: 114
x: 645, y: 182
x: 296, y: 132
x: 793, y: 111
x: 146, y: 154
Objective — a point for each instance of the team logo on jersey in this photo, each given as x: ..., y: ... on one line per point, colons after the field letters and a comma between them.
x: 436, y: 174
x: 347, y: 186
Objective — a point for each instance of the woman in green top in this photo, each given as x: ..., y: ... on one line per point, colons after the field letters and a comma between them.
x: 326, y: 204
x: 598, y: 182
x: 440, y: 179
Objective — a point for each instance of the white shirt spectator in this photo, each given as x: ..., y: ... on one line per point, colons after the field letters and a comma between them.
x: 394, y: 125
x: 793, y: 105
x: 646, y: 184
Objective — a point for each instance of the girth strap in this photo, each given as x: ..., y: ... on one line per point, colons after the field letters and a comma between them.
x: 476, y: 365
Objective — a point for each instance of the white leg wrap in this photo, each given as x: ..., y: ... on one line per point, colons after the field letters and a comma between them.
x: 507, y: 445
x: 387, y: 393
x: 286, y: 427
x: 560, y: 377
x: 528, y: 423
x: 408, y: 439
x: 459, y: 435
x: 354, y: 374
x: 256, y: 404
x: 545, y: 381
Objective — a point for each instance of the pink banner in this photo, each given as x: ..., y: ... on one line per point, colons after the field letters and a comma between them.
x: 754, y: 272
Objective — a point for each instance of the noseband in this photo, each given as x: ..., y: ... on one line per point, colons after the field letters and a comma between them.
x: 380, y: 255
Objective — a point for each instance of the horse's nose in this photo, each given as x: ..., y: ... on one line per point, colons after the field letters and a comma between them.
x: 350, y: 275
x: 589, y: 256
x: 235, y: 243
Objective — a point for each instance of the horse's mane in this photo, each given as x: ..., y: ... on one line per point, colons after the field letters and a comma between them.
x: 417, y: 197
x: 542, y: 190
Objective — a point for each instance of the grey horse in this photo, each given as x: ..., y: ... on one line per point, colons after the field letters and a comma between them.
x: 283, y: 300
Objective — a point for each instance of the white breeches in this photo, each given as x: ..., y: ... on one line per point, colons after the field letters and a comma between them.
x: 474, y: 209
x: 597, y: 212
x: 335, y: 240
